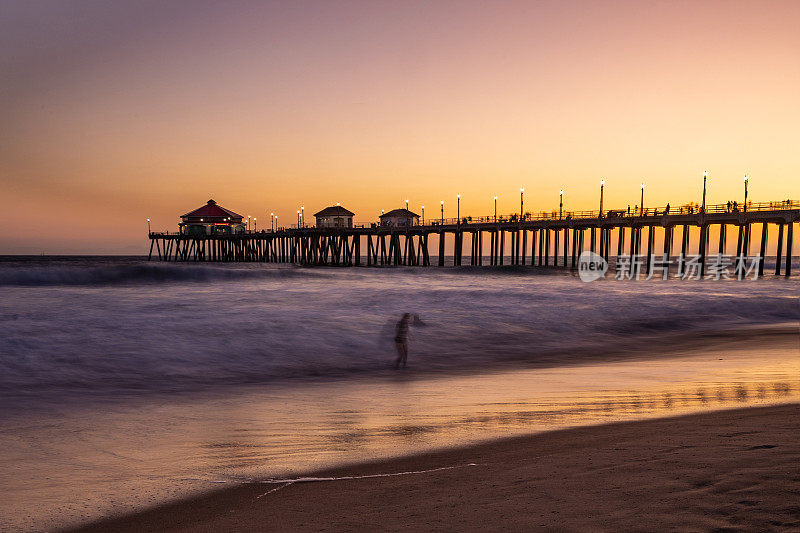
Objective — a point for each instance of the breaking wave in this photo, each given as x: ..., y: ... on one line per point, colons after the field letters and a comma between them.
x: 137, y: 273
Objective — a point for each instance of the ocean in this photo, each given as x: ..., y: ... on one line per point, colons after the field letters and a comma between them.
x: 125, y: 324
x: 143, y: 382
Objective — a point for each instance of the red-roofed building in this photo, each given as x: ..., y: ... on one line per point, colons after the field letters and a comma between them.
x: 211, y: 219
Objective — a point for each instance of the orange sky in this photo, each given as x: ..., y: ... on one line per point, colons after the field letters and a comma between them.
x: 110, y: 114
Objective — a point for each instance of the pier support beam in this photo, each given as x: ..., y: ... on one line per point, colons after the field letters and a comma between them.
x: 574, y: 248
x: 739, y: 241
x: 684, y: 246
x: 555, y: 247
x: 788, y: 269
x: 650, y: 244
x: 763, y: 251
x: 541, y: 244
x: 547, y: 247
x: 702, y: 249
x: 668, y: 235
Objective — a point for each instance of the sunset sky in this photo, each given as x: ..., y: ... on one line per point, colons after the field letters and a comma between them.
x: 113, y: 112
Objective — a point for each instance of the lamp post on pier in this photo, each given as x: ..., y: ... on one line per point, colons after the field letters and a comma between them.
x: 705, y: 176
x: 495, y: 208
x: 276, y: 222
x: 560, y: 203
x: 303, y: 215
x: 442, y: 204
x: 602, y: 185
x: 641, y: 205
x: 521, y: 202
x: 458, y: 209
x: 272, y: 221
x: 406, y: 204
x: 148, y: 226
x: 255, y: 224
x: 248, y: 222
x: 423, y: 215
x: 746, y: 179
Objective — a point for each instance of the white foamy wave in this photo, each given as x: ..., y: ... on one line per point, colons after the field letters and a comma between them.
x: 140, y: 272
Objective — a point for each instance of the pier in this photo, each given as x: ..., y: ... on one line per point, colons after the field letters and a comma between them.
x: 553, y: 239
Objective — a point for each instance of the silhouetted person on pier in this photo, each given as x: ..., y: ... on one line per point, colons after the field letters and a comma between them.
x: 666, y: 210
x: 629, y: 209
x: 729, y: 206
x: 401, y: 340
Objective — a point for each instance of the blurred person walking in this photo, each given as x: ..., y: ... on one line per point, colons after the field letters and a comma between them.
x: 401, y: 340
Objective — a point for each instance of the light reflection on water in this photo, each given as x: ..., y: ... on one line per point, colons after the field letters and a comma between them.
x: 122, y: 456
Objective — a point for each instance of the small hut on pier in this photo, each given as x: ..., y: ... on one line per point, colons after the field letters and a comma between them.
x: 211, y: 219
x: 334, y: 216
x: 399, y: 218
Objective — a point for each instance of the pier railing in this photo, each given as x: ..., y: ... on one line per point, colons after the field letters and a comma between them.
x: 632, y: 212
x: 556, y: 215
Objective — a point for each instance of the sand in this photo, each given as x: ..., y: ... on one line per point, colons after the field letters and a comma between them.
x: 735, y: 470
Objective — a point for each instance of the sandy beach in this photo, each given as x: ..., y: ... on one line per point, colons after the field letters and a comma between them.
x: 732, y: 470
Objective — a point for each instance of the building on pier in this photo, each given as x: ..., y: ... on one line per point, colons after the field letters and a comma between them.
x: 211, y: 219
x: 334, y: 216
x: 399, y: 218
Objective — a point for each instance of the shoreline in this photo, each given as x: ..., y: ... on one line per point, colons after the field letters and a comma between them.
x: 735, y: 468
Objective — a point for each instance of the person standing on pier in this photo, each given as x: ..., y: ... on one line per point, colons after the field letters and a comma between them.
x: 401, y: 340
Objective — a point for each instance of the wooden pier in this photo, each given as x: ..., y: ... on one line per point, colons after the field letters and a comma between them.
x: 543, y: 240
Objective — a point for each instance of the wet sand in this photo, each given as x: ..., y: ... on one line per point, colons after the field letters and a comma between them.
x: 66, y: 465
x: 728, y: 470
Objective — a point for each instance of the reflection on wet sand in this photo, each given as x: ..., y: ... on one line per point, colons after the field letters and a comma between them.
x: 626, y: 404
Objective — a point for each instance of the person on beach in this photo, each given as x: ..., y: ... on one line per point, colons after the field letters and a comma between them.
x: 401, y: 340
